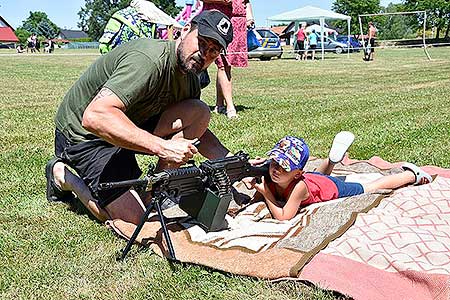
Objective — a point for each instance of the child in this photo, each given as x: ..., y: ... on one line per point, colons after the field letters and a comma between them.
x: 290, y: 188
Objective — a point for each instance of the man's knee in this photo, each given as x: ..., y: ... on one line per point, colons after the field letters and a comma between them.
x: 200, y: 111
x: 201, y: 106
x: 192, y: 114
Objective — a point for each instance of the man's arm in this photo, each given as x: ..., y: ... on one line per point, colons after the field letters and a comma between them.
x: 105, y: 118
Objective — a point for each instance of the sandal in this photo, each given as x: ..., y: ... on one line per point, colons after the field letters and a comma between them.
x: 422, y: 177
x: 232, y: 114
x: 54, y: 192
x: 342, y: 141
x: 220, y: 110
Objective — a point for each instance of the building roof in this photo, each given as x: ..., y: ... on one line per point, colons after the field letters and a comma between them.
x: 7, y: 32
x: 72, y: 34
x: 278, y: 29
x: 7, y: 35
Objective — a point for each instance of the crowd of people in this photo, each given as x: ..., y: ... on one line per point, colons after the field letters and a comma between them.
x: 33, y: 45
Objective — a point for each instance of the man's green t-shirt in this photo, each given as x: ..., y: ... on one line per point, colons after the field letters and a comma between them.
x: 143, y: 73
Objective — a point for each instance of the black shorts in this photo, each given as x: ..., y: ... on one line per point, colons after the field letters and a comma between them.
x: 301, y: 45
x: 313, y: 47
x: 372, y: 45
x: 98, y: 161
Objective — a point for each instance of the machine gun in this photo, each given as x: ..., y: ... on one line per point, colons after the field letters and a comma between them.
x: 203, y: 192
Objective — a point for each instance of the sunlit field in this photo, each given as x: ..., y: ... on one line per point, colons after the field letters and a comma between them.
x: 398, y: 107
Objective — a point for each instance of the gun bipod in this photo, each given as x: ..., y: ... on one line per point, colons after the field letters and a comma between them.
x: 155, y: 202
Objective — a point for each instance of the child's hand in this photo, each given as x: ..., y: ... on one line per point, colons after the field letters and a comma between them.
x: 249, y: 182
x: 262, y: 186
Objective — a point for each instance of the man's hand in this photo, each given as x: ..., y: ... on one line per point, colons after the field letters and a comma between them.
x: 257, y: 161
x: 177, y: 151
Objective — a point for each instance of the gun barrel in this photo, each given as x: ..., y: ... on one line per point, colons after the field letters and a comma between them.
x: 120, y: 184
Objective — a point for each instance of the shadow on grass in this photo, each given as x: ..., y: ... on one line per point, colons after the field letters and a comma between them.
x: 77, y: 207
x: 239, y: 108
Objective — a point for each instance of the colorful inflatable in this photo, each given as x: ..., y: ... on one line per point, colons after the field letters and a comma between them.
x: 190, y: 10
x: 135, y: 21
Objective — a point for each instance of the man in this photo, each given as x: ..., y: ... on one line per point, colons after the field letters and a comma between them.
x: 371, y: 36
x: 142, y: 97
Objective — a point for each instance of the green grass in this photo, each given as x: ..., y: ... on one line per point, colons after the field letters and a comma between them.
x: 398, y: 106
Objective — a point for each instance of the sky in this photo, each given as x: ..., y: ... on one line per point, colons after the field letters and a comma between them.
x: 64, y: 13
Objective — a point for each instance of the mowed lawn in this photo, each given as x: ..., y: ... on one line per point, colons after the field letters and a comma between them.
x: 398, y: 106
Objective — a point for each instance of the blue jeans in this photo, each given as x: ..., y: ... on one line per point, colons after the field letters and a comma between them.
x: 345, y: 189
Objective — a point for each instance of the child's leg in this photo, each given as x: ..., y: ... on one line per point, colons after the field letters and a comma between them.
x: 390, y: 182
x: 326, y: 167
x: 412, y: 175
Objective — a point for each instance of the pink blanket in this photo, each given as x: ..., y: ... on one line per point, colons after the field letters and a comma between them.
x: 398, y: 250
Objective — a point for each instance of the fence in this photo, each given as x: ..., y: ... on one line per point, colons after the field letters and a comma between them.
x: 82, y: 45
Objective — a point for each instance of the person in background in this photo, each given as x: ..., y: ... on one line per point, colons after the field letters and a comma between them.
x: 300, y: 46
x: 31, y: 43
x: 20, y: 49
x: 241, y: 15
x: 312, y: 42
x: 37, y: 45
x: 371, y: 36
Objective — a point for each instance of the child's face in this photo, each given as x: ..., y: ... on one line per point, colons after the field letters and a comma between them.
x: 280, y: 175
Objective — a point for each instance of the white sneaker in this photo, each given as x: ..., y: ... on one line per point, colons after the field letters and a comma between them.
x: 342, y: 141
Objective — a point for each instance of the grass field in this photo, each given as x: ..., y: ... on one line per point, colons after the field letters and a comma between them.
x: 398, y: 106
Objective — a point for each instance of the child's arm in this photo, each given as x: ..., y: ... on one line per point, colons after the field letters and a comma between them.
x: 289, y: 210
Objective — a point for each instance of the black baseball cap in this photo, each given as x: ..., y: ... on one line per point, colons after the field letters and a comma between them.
x: 214, y: 24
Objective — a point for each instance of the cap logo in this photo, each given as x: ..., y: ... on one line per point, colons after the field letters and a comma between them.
x: 223, y: 26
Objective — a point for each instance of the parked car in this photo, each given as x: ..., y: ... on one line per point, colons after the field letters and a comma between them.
x: 355, y: 44
x: 331, y: 45
x: 263, y: 43
x: 6, y: 46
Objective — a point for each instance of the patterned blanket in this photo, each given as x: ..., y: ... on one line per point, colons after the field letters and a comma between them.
x: 384, y: 245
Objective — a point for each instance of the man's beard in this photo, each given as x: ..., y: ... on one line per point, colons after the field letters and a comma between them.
x: 190, y: 64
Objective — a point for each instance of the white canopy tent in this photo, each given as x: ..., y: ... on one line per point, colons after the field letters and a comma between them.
x: 317, y: 28
x: 311, y: 13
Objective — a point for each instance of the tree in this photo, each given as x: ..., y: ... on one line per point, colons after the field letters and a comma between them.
x: 39, y: 23
x: 353, y: 8
x: 96, y: 13
x: 393, y: 27
x: 22, y: 35
x: 438, y: 13
x: 46, y: 29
